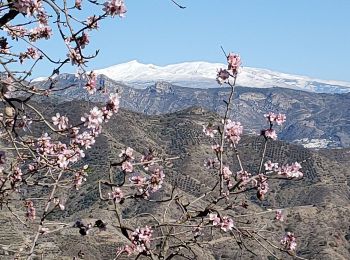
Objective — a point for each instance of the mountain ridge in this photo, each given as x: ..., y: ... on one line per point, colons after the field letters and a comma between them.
x: 200, y: 74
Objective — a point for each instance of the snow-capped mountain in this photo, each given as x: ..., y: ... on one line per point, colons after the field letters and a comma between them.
x: 203, y: 74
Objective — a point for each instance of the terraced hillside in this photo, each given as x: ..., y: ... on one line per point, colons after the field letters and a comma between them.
x: 316, y: 207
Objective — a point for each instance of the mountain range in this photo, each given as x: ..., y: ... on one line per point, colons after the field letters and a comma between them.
x: 316, y: 120
x: 202, y: 75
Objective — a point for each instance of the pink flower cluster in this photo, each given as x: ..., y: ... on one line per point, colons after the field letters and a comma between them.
x: 225, y: 223
x: 90, y: 85
x: 41, y: 32
x: 80, y: 177
x: 234, y: 62
x: 116, y: 194
x: 16, y: 176
x: 147, y: 185
x: 127, y: 155
x: 30, y: 214
x: 141, y: 238
x: 30, y: 53
x: 227, y: 174
x: 209, y: 131
x: 289, y: 241
x: 140, y: 241
x: 289, y: 171
x: 279, y: 118
x: 60, y: 121
x: 211, y: 163
x: 279, y: 215
x: 157, y: 178
x: 57, y: 153
x: 262, y: 186
x: 27, y: 7
x: 115, y: 7
x: 233, y: 131
x: 243, y: 177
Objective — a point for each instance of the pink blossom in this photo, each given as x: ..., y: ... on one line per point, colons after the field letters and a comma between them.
x: 262, y: 186
x: 140, y: 182
x: 211, y: 163
x: 59, y: 203
x: 92, y: 22
x: 243, y: 176
x: 116, y: 194
x: 40, y: 33
x: 127, y: 249
x: 214, y: 217
x: 222, y: 76
x: 279, y: 215
x: 86, y: 139
x: 157, y: 179
x: 16, y: 31
x: 291, y: 171
x: 77, y: 4
x: 83, y: 40
x: 115, y: 7
x: 113, y: 102
x: 127, y: 152
x: 127, y: 166
x: 27, y: 7
x: 60, y: 121
x: 280, y: 119
x: 217, y: 148
x: 226, y: 224
x: 42, y: 17
x: 30, y: 214
x: 75, y: 57
x: 94, y: 119
x: 62, y: 161
x: 233, y: 131
x: 4, y: 47
x: 270, y: 166
x: 234, y: 61
x: 289, y: 241
x: 30, y: 53
x: 197, y: 231
x: 79, y: 178
x: 90, y: 85
x: 269, y: 133
x: 272, y: 117
x: 209, y: 131
x: 16, y: 175
x: 226, y: 173
x: 141, y: 238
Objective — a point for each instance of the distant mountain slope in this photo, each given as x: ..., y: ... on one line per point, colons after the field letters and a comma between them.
x: 202, y: 75
x: 314, y: 119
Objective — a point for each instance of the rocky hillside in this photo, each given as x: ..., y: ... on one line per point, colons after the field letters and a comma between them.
x: 314, y: 119
x: 316, y: 207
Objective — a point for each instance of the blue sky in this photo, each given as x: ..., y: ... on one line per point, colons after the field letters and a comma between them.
x: 307, y: 37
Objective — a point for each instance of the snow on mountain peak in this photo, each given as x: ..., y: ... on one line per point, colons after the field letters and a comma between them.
x: 202, y: 74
